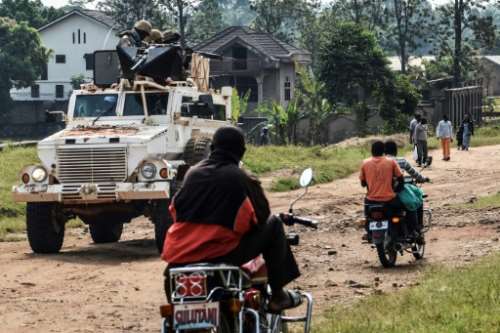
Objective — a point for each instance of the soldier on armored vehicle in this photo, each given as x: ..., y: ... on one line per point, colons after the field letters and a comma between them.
x: 126, y: 144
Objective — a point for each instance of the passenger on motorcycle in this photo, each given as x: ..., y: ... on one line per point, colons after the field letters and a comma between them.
x: 221, y: 215
x: 391, y: 151
x: 378, y: 174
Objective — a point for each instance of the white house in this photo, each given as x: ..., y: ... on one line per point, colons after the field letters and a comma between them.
x: 73, y: 38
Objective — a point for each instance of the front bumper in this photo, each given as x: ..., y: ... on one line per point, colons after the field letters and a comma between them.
x: 91, y: 193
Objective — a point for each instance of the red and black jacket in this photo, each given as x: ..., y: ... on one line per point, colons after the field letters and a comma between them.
x: 217, y: 204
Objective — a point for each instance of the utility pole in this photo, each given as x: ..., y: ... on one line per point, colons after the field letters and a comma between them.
x: 457, y: 56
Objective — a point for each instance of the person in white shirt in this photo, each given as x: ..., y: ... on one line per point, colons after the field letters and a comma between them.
x: 444, y: 131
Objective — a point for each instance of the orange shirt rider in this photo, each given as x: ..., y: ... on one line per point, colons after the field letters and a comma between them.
x: 378, y: 174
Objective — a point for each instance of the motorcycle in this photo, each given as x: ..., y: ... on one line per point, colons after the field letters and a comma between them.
x: 389, y: 234
x: 228, y: 299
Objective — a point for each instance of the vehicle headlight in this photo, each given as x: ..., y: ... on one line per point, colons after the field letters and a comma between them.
x: 39, y: 174
x: 148, y: 170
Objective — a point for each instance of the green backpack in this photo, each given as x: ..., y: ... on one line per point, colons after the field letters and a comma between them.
x: 412, y: 197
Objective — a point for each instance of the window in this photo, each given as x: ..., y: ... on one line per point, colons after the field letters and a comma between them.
x: 288, y: 89
x: 84, y: 38
x: 79, y: 36
x: 45, y: 72
x: 74, y: 39
x: 200, y: 110
x: 239, y: 58
x: 157, y: 104
x: 59, y: 91
x: 95, y: 105
x: 89, y: 61
x: 60, y: 59
x: 35, y: 91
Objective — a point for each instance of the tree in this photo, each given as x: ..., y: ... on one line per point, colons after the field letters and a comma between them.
x: 207, y: 20
x: 310, y: 94
x: 281, y: 17
x: 351, y: 63
x: 181, y: 10
x: 369, y: 13
x: 398, y: 98
x: 33, y: 12
x: 410, y: 21
x: 460, y: 22
x: 19, y: 68
x: 127, y: 12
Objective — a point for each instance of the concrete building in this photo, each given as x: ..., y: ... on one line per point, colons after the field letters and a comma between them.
x: 490, y: 74
x: 72, y: 38
x: 254, y: 62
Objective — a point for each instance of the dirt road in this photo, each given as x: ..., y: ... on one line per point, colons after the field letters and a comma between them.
x: 118, y: 287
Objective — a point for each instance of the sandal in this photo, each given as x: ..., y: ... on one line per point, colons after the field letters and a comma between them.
x: 294, y: 300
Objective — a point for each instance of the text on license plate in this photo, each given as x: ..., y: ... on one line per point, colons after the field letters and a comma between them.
x: 379, y: 225
x: 196, y: 315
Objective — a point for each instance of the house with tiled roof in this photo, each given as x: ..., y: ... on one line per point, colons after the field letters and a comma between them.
x: 254, y: 62
x: 72, y: 39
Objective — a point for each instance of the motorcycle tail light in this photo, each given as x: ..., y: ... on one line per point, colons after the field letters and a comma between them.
x: 234, y: 305
x: 166, y: 310
x: 377, y: 215
x: 396, y: 219
x: 191, y: 285
x: 252, y: 299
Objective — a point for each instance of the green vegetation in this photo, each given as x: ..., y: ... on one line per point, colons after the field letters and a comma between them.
x: 12, y: 214
x: 446, y: 300
x: 483, y: 202
x: 328, y: 163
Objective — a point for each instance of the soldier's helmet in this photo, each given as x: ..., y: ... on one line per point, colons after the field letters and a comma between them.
x: 143, y: 26
x: 155, y: 36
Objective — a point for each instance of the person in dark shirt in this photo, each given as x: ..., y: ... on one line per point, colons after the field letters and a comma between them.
x: 221, y: 215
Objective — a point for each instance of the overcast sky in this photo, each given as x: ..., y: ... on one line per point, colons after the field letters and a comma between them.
x: 59, y: 3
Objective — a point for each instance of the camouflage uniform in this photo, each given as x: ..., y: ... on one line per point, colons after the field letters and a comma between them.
x: 136, y: 36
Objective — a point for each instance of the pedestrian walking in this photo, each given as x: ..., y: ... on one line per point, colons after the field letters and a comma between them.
x: 421, y: 141
x: 460, y: 137
x: 413, y: 123
x: 444, y: 132
x: 468, y: 131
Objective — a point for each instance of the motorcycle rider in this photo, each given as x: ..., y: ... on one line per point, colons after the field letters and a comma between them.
x: 391, y: 151
x: 377, y: 175
x: 221, y: 215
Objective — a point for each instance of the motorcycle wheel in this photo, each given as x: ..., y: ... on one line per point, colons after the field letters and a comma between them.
x: 387, y: 257
x: 418, y: 251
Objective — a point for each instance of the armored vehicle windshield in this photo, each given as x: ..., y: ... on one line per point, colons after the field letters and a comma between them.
x: 103, y: 105
x: 156, y: 103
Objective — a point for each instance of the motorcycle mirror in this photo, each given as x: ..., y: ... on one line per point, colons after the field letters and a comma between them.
x: 306, y: 177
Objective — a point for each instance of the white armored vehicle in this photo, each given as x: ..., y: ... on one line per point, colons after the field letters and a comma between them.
x: 122, y: 154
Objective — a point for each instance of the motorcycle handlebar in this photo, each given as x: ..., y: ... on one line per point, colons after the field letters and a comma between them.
x: 305, y: 222
x: 290, y: 219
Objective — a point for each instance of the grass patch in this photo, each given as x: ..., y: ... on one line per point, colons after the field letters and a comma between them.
x: 489, y: 201
x: 447, y: 300
x: 12, y: 214
x: 328, y: 163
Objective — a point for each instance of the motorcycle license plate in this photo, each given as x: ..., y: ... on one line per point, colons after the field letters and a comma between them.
x: 196, y: 316
x: 379, y: 225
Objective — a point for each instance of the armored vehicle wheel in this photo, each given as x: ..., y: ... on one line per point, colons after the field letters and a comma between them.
x: 162, y: 220
x: 105, y: 232
x: 197, y: 149
x: 45, y: 228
